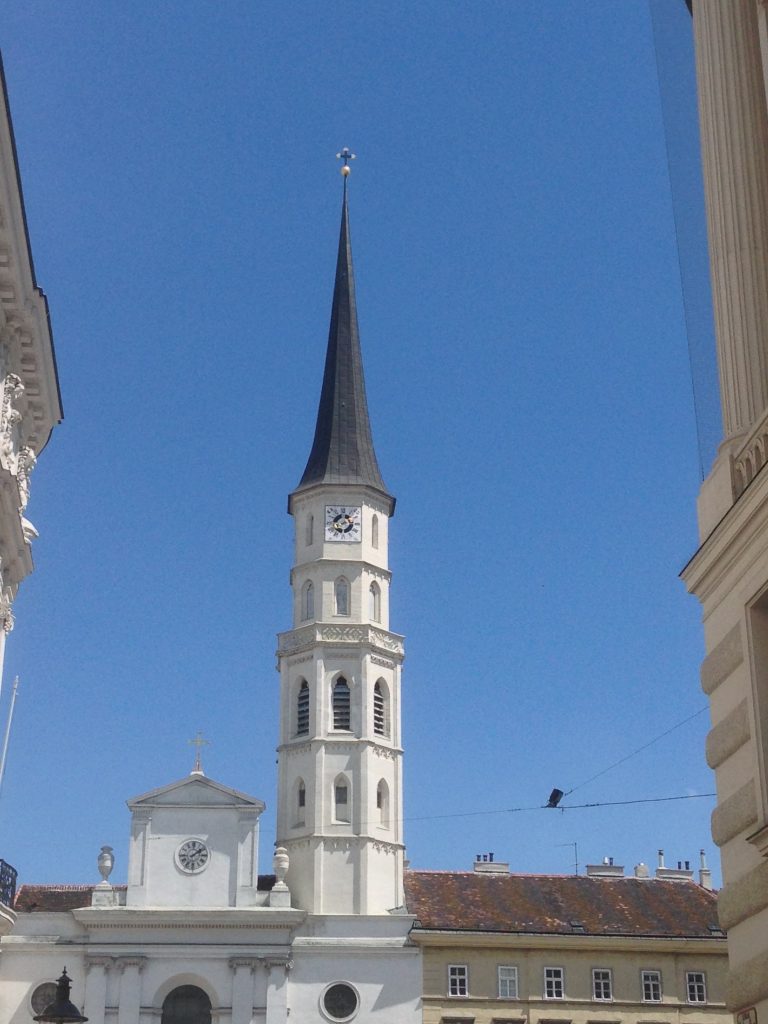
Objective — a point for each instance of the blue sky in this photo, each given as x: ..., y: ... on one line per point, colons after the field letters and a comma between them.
x: 530, y: 391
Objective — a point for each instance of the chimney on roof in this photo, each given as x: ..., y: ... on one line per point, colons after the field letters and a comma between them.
x: 678, y: 874
x: 705, y: 875
x: 605, y: 870
x: 485, y: 864
x: 641, y: 870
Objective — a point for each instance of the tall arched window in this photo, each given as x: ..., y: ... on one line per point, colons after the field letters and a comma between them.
x: 341, y: 702
x: 341, y: 596
x: 308, y: 601
x: 302, y: 709
x: 186, y: 1004
x: 342, y: 804
x: 374, y: 602
x: 310, y: 535
x: 380, y: 709
x: 375, y: 531
x: 382, y: 803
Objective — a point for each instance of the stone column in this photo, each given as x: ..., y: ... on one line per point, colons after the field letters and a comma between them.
x: 277, y: 989
x: 242, y: 988
x: 734, y: 145
x: 96, y: 968
x: 130, y: 988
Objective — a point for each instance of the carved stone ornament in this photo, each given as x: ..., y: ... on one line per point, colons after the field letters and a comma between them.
x: 301, y: 659
x: 6, y: 615
x: 383, y: 662
x: 10, y: 416
x: 380, y: 751
x: 25, y: 463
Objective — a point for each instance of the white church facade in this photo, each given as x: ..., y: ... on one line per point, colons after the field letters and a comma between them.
x: 197, y: 934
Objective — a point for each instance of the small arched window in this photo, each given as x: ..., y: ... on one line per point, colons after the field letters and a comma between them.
x: 341, y: 596
x: 308, y: 601
x: 375, y: 532
x: 380, y: 709
x: 374, y: 602
x: 310, y: 534
x: 342, y: 805
x: 341, y: 704
x: 302, y: 709
x: 382, y: 803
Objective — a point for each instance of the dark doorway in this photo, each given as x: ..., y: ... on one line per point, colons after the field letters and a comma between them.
x: 187, y: 1004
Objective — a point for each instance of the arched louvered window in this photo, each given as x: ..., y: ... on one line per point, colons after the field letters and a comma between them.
x: 302, y: 709
x: 341, y: 596
x: 375, y: 532
x: 374, y: 602
x: 341, y: 704
x: 308, y: 601
x: 186, y: 1004
x: 342, y: 804
x: 380, y: 716
x: 382, y: 803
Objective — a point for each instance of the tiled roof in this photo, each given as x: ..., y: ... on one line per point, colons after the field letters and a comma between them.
x: 49, y: 899
x: 560, y: 904
x: 54, y: 898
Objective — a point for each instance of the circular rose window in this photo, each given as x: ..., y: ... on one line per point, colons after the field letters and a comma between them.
x: 340, y: 1001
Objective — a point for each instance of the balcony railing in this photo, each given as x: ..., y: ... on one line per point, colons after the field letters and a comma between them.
x: 7, y: 884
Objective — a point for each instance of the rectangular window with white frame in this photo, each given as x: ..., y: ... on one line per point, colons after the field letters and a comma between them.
x: 696, y: 986
x: 602, y: 987
x: 507, y: 982
x: 554, y: 983
x: 651, y: 985
x: 458, y: 980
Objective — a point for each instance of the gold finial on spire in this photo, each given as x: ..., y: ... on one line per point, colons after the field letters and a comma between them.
x: 198, y: 742
x: 346, y: 155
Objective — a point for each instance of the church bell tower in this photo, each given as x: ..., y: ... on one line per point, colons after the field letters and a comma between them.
x: 340, y: 755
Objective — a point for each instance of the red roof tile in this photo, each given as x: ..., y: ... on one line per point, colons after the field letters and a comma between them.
x: 49, y: 899
x: 560, y: 904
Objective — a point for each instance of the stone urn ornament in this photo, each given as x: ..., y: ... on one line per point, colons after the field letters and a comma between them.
x: 106, y: 862
x: 280, y: 863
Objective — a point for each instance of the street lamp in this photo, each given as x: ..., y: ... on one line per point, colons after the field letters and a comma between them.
x: 61, y: 1010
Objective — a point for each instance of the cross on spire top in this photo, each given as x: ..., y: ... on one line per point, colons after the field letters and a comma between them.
x: 198, y: 743
x: 346, y: 155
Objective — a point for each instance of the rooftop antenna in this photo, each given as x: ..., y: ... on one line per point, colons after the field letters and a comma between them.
x: 8, y: 731
x: 575, y: 853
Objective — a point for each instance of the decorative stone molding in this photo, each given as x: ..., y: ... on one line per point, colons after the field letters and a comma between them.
x: 381, y: 847
x: 300, y: 660
x: 121, y: 962
x: 386, y: 752
x: 342, y: 844
x: 105, y: 962
x: 251, y: 962
x: 285, y: 962
x: 722, y: 660
x: 299, y: 748
x: 728, y: 736
x: 734, y: 814
x: 25, y: 463
x: 383, y: 662
x: 293, y: 641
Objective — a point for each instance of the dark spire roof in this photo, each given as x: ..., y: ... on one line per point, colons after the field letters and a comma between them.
x: 342, y: 451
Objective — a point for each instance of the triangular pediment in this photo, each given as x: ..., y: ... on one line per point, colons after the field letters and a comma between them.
x: 195, y: 790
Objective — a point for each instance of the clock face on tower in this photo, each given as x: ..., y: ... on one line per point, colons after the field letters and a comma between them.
x: 192, y: 856
x: 343, y: 522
